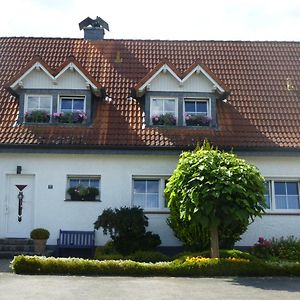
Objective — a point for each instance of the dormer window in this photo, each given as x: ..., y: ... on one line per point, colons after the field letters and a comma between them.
x: 176, y: 98
x: 72, y: 104
x: 72, y: 109
x: 63, y: 95
x: 38, y: 108
x: 197, y: 112
x: 163, y: 111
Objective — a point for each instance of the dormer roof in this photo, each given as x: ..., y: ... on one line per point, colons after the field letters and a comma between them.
x: 37, y: 64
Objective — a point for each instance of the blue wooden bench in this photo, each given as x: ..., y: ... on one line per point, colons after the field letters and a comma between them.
x: 70, y: 239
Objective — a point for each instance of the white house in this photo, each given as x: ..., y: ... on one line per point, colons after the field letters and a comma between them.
x: 116, y: 114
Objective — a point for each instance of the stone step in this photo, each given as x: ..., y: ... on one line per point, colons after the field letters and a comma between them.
x: 13, y: 241
x: 16, y: 248
x: 11, y: 254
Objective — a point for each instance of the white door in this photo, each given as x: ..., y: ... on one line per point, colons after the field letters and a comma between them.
x: 15, y: 226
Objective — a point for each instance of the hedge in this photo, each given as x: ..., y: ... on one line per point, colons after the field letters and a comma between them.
x: 210, y: 267
x: 139, y: 256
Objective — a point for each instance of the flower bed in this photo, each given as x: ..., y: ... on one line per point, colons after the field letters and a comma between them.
x: 167, y: 119
x: 197, y: 120
x: 70, y: 117
x: 37, y: 116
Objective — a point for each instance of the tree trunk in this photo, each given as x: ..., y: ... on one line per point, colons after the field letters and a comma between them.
x: 214, y: 241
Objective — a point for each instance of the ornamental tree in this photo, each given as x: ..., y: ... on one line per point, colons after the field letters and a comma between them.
x: 211, y: 191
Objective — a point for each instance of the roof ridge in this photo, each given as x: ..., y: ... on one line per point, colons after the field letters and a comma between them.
x: 150, y: 40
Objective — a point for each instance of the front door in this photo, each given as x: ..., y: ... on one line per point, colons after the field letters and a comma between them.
x: 19, y: 221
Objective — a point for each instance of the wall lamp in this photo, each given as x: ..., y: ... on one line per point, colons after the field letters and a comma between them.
x: 19, y: 169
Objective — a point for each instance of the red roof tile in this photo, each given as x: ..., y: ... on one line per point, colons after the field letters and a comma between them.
x: 261, y: 112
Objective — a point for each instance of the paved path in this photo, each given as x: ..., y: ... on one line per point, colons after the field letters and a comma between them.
x: 21, y: 287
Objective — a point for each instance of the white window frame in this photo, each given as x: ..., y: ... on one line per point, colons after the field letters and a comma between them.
x: 197, y: 99
x: 273, y: 208
x: 37, y: 95
x: 70, y: 97
x: 163, y: 98
x: 161, y: 199
x: 76, y: 176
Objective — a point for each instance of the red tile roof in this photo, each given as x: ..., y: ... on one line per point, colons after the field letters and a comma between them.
x: 261, y: 111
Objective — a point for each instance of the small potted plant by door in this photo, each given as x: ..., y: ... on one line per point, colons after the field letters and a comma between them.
x: 40, y: 237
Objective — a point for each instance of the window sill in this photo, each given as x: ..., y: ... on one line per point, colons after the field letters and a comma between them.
x: 69, y: 200
x: 177, y: 126
x: 57, y: 124
x: 283, y: 213
x: 156, y: 212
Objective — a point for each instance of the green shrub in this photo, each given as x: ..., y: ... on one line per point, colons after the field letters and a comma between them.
x: 127, y: 228
x: 39, y: 234
x: 106, y: 253
x: 148, y: 256
x: 274, y: 249
x: 286, y: 248
x: 214, y: 267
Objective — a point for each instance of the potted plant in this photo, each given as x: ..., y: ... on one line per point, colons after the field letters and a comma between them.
x: 167, y: 119
x: 70, y: 117
x: 197, y: 120
x: 81, y: 193
x: 37, y: 116
x: 40, y: 237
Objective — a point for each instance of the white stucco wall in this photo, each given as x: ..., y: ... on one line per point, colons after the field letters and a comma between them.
x: 68, y: 80
x: 116, y: 171
x: 195, y: 83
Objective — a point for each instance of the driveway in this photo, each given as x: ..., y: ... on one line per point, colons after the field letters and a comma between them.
x: 14, y: 286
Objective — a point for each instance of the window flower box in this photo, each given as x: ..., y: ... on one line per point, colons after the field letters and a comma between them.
x: 197, y: 120
x: 37, y: 116
x: 167, y: 119
x: 76, y: 117
x: 81, y: 193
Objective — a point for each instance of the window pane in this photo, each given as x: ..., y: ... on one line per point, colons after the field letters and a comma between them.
x: 169, y: 105
x: 152, y: 201
x: 74, y: 182
x: 33, y: 103
x: 152, y: 186
x: 280, y: 188
x: 280, y: 202
x: 189, y: 106
x: 139, y: 186
x: 78, y: 104
x: 94, y: 183
x: 292, y: 188
x: 84, y: 182
x: 267, y: 193
x: 157, y: 106
x: 201, y: 107
x: 45, y: 103
x: 66, y: 103
x: 293, y: 202
x: 139, y: 200
x: 267, y: 197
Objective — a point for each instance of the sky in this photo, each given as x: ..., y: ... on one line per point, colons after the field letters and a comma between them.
x: 277, y: 20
